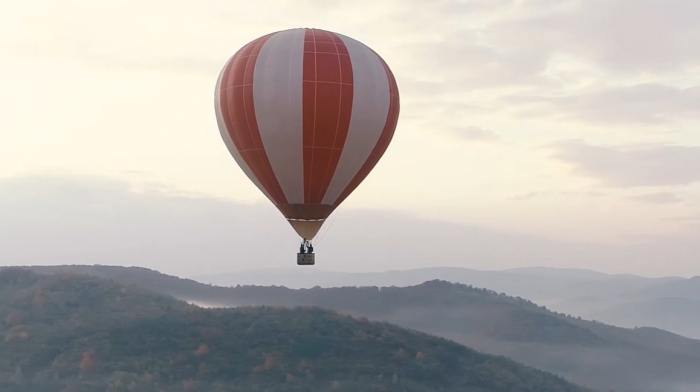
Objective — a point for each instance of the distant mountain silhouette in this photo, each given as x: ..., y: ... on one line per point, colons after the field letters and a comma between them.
x: 542, y: 284
x: 686, y: 288
x: 586, y: 352
x: 67, y: 332
x: 585, y: 293
x: 578, y: 273
x: 681, y: 315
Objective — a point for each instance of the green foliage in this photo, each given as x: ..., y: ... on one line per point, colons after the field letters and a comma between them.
x: 588, y: 352
x: 73, y: 333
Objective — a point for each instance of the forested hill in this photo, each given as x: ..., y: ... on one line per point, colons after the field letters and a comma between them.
x: 585, y: 352
x: 74, y: 333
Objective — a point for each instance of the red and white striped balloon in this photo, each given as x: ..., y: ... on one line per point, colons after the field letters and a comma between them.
x: 306, y: 114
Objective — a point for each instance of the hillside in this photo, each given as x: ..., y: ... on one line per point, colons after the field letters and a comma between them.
x: 77, y: 334
x: 687, y: 288
x: 585, y: 293
x: 543, y: 285
x: 681, y: 315
x: 672, y: 305
x: 588, y: 353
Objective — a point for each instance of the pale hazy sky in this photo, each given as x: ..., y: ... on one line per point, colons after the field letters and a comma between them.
x: 542, y: 132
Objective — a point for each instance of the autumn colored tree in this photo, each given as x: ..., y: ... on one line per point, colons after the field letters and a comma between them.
x: 14, y: 318
x: 153, y: 343
x: 270, y: 362
x: 202, y: 350
x: 190, y: 386
x: 87, y: 363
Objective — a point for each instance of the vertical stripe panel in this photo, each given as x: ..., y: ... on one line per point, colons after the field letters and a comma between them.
x: 328, y: 96
x: 370, y: 108
x: 227, y: 137
x: 238, y: 112
x: 384, y: 140
x: 277, y: 95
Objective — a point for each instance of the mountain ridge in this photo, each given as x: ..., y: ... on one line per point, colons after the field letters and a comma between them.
x: 587, y: 352
x: 589, y: 294
x: 73, y: 332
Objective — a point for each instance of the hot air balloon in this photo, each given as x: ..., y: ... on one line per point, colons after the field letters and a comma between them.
x: 306, y: 114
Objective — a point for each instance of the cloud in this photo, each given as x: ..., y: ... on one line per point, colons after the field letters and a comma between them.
x: 458, y: 59
x: 494, y: 44
x: 643, y: 36
x: 690, y: 222
x: 413, y: 87
x: 632, y: 166
x: 476, y: 44
x: 695, y: 218
x: 69, y: 220
x: 473, y: 133
x: 528, y: 195
x: 175, y: 63
x: 641, y: 104
x: 196, y: 39
x: 534, y: 195
x: 658, y: 198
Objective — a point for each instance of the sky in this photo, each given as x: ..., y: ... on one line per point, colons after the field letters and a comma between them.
x: 546, y: 132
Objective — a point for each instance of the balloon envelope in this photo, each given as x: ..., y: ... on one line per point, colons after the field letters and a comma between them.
x: 306, y: 114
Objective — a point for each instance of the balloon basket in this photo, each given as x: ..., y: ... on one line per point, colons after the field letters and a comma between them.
x: 306, y: 258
